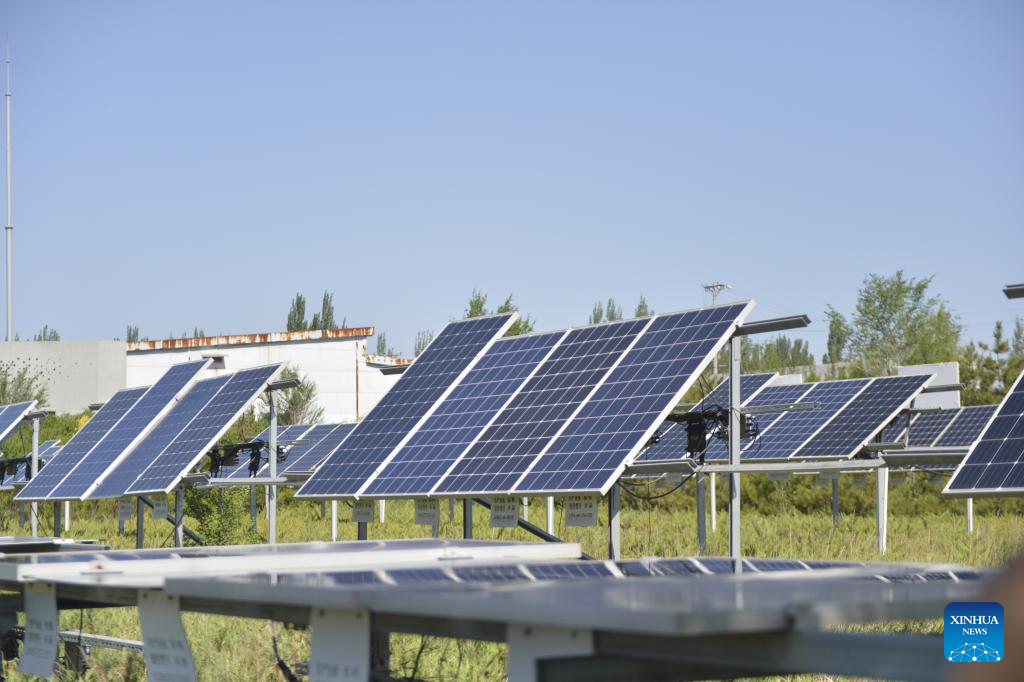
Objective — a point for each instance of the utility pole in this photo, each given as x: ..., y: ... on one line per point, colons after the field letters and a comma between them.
x: 714, y: 289
x: 9, y: 229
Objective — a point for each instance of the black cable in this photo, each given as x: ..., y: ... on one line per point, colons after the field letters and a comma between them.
x: 281, y: 665
x: 658, y: 497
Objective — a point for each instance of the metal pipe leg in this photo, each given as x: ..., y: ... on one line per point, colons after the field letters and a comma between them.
x: 702, y: 530
x: 614, y: 527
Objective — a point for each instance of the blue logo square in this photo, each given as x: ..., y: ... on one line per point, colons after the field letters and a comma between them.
x: 972, y: 632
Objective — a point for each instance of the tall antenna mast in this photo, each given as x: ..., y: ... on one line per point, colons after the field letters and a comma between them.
x: 714, y: 289
x: 9, y: 229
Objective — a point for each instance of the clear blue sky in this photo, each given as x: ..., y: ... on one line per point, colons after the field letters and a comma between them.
x: 197, y: 163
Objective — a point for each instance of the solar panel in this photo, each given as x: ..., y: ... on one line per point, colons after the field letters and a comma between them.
x: 718, y: 449
x: 490, y: 574
x: 995, y: 463
x: 618, y: 419
x: 145, y: 453
x: 306, y: 455
x: 285, y: 436
x: 11, y: 417
x: 894, y: 432
x: 541, y: 407
x: 928, y: 426
x: 80, y: 444
x: 864, y: 416
x: 672, y: 441
x: 788, y: 431
x: 395, y: 418
x: 129, y: 430
x: 569, y: 571
x: 46, y: 451
x: 185, y: 451
x: 461, y: 417
x: 967, y: 426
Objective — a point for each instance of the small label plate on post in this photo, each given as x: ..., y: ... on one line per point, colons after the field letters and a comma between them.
x: 159, y: 506
x: 504, y: 512
x: 581, y: 510
x: 39, y: 651
x: 167, y: 651
x: 362, y: 511
x: 428, y: 512
x: 339, y: 649
x: 124, y: 509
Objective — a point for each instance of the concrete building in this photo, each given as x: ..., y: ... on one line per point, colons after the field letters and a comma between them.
x: 349, y: 380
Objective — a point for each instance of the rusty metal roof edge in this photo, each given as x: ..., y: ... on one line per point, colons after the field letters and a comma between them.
x: 250, y: 339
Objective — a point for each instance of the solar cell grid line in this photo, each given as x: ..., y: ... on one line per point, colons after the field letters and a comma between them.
x: 967, y: 426
x: 285, y: 435
x: 672, y: 444
x: 788, y: 394
x: 185, y: 451
x: 303, y: 456
x: 429, y: 379
x: 540, y: 408
x: 593, y: 449
x: 129, y: 430
x: 794, y: 428
x: 995, y: 463
x: 863, y: 417
x: 928, y: 426
x: 181, y: 415
x: 80, y: 444
x: 463, y: 416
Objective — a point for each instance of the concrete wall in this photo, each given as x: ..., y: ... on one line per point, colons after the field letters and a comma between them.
x: 76, y: 373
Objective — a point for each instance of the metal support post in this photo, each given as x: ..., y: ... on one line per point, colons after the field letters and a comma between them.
x: 360, y: 531
x: 381, y: 506
x: 57, y: 518
x: 551, y: 514
x: 451, y: 510
x: 323, y: 509
x: 835, y: 501
x: 467, y: 518
x: 334, y: 520
x: 34, y: 521
x: 272, y: 489
x: 67, y: 515
x: 614, y: 525
x: 881, y: 506
x: 734, y: 453
x: 140, y: 522
x: 702, y: 530
x: 970, y: 516
x: 252, y: 508
x: 179, y: 516
x: 712, y: 502
x: 21, y: 515
x: 526, y: 508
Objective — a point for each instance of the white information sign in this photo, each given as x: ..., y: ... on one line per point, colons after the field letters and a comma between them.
x: 39, y: 651
x: 581, y: 510
x: 504, y: 512
x: 124, y: 509
x: 428, y: 512
x: 159, y: 506
x: 340, y: 646
x: 362, y: 511
x: 168, y: 654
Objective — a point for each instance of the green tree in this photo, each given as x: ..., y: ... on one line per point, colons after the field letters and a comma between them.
x: 423, y: 339
x: 325, y: 318
x: 642, y: 309
x: 777, y: 353
x: 297, y: 315
x: 987, y: 370
x: 382, y: 346
x: 47, y: 334
x: 477, y: 307
x: 612, y: 312
x: 21, y: 385
x: 132, y: 333
x: 596, y: 314
x: 838, y: 337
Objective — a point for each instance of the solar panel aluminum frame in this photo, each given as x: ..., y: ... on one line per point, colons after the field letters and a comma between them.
x: 431, y: 493
x: 984, y: 492
x: 30, y: 405
x: 768, y: 428
x: 141, y: 436
x: 880, y: 426
x: 198, y: 458
x: 302, y: 474
x: 512, y: 318
x: 655, y: 423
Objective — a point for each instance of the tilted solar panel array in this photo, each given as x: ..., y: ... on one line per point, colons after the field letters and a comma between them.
x: 11, y: 417
x: 185, y: 451
x: 967, y: 426
x: 128, y: 431
x: 995, y: 463
x: 672, y: 439
x: 430, y: 377
x: 304, y: 456
x: 461, y: 417
x: 145, y: 453
x: 80, y: 444
x: 286, y: 435
x: 47, y: 450
x: 928, y: 426
x: 718, y: 449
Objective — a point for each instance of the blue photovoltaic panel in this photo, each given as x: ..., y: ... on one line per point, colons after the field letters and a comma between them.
x: 462, y: 416
x: 672, y: 441
x: 11, y: 417
x: 617, y: 420
x: 396, y: 416
x: 570, y: 570
x: 80, y: 444
x: 995, y: 463
x: 791, y: 429
x: 718, y: 449
x: 864, y: 416
x: 490, y: 574
x: 46, y: 451
x: 181, y: 454
x: 928, y: 426
x: 285, y: 436
x: 406, y: 576
x: 306, y: 455
x: 967, y: 426
x: 156, y: 402
x: 243, y: 460
x: 145, y: 453
x: 894, y: 432
x: 527, y: 424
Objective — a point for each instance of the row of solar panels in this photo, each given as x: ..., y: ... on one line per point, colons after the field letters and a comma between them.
x: 845, y: 416
x: 304, y: 446
x: 958, y: 427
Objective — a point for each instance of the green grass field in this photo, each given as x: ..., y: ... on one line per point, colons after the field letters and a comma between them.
x: 231, y: 648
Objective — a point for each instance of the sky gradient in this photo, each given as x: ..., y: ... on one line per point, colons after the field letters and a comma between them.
x: 196, y: 164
